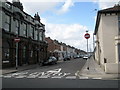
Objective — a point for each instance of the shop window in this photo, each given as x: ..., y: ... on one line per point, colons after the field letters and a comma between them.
x: 24, y: 52
x: 31, y: 54
x: 6, y: 52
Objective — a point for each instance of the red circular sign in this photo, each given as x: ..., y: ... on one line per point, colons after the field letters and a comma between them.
x: 17, y: 39
x: 87, y: 35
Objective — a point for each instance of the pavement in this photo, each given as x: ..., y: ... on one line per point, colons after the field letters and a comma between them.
x: 20, y: 68
x: 92, y: 70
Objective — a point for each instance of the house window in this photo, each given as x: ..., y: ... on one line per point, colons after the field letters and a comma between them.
x: 119, y: 24
x: 36, y: 35
x: 32, y: 32
x: 7, y: 23
x: 40, y: 36
x: 119, y: 52
x: 8, y: 5
x: 17, y: 26
x: 119, y: 27
x: 43, y: 36
x: 25, y: 29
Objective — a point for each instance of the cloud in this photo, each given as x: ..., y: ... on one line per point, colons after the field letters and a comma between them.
x: 41, y: 6
x: 66, y: 6
x: 103, y: 4
x: 71, y: 34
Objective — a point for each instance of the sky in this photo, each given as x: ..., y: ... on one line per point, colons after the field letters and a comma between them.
x: 68, y: 20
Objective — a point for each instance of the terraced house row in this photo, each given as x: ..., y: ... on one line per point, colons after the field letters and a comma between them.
x: 32, y: 47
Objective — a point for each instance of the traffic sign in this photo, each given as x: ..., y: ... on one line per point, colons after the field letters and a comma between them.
x: 87, y: 35
x: 17, y: 40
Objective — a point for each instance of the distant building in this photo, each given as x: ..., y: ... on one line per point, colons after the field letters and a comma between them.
x: 61, y: 50
x: 107, y: 32
x: 32, y: 47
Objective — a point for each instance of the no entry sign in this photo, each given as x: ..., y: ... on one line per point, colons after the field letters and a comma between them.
x: 87, y: 35
x: 17, y: 40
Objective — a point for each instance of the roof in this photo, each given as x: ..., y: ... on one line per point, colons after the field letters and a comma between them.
x: 115, y: 9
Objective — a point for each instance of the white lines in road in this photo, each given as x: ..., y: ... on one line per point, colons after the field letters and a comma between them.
x: 83, y: 77
x: 71, y: 77
x: 1, y: 76
x: 7, y: 76
x: 60, y: 75
x: 20, y: 77
x: 97, y: 78
x: 43, y: 77
x: 55, y: 73
x: 56, y: 77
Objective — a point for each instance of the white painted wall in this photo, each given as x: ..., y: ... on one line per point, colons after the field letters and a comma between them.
x: 107, y: 31
x: 110, y: 30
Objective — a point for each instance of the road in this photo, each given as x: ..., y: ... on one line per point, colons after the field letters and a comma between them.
x: 61, y: 75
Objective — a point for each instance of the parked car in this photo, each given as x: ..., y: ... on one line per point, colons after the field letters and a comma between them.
x: 85, y: 57
x: 81, y: 56
x: 67, y: 58
x: 76, y: 56
x: 51, y: 60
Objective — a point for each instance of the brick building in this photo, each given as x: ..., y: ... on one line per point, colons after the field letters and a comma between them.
x: 61, y: 50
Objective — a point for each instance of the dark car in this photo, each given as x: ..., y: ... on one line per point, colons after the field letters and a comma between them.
x: 67, y: 58
x: 81, y: 56
x: 51, y: 60
x: 76, y: 56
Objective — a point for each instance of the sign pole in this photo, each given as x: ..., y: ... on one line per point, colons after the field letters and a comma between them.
x: 87, y: 46
x: 87, y: 36
x: 17, y: 41
x: 16, y: 55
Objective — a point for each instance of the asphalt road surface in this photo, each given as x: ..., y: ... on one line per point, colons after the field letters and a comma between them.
x: 60, y: 75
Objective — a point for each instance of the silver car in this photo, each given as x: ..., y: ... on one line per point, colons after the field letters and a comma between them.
x: 51, y: 60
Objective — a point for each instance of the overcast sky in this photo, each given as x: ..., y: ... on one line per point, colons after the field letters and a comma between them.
x: 68, y: 20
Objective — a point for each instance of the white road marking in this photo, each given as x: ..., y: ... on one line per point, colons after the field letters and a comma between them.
x: 1, y: 76
x: 97, y: 78
x: 31, y: 76
x: 83, y: 77
x: 20, y: 76
x: 56, y: 77
x: 7, y: 76
x: 43, y: 77
x: 71, y: 77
